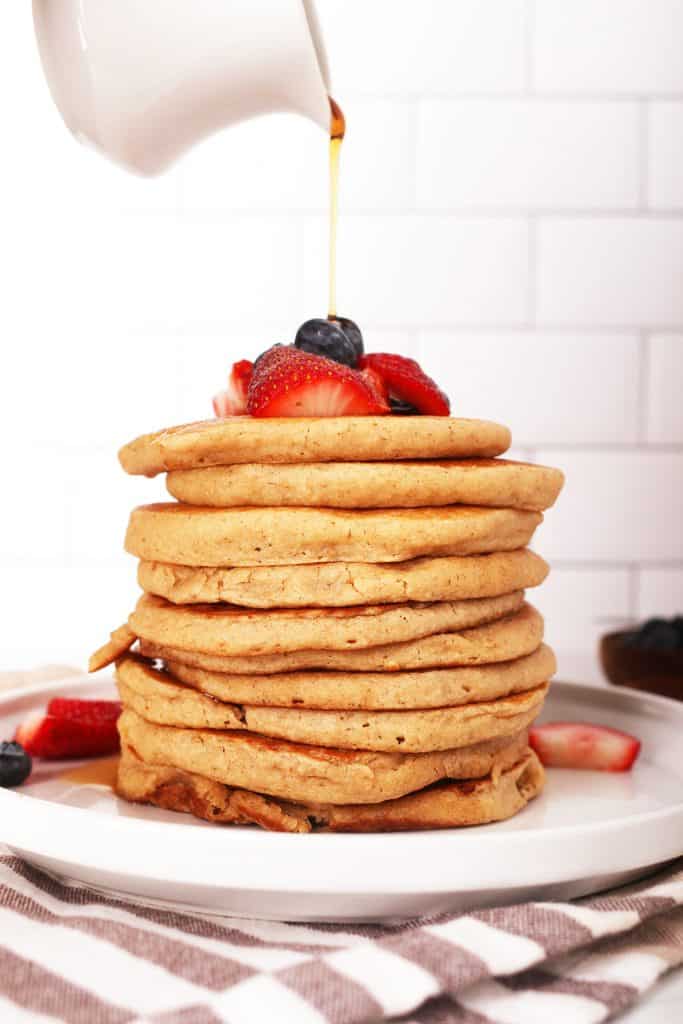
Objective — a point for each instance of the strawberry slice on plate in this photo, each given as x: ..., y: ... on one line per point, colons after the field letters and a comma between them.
x: 233, y: 401
x: 289, y: 382
x: 406, y: 381
x: 581, y: 745
x: 71, y: 728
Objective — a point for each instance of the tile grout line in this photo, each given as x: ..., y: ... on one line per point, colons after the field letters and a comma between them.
x: 216, y: 329
x: 467, y: 212
x: 416, y: 114
x: 416, y: 337
x: 532, y: 267
x: 530, y: 47
x: 634, y: 591
x: 300, y: 249
x: 512, y: 95
x: 602, y: 565
x: 643, y: 387
x: 606, y: 447
x: 643, y: 155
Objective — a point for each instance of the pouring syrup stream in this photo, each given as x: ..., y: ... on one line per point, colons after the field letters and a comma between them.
x: 337, y: 130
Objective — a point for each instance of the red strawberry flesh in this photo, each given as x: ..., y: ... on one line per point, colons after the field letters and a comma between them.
x: 71, y: 729
x: 377, y: 384
x: 581, y: 745
x: 406, y: 380
x: 290, y: 382
x: 95, y: 711
x: 240, y: 378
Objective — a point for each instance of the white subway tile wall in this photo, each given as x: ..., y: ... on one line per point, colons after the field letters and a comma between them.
x: 552, y: 387
x: 617, y: 507
x: 603, y: 48
x: 665, y: 397
x: 527, y: 155
x: 418, y: 47
x: 600, y: 599
x: 665, y: 155
x: 512, y: 215
x: 660, y: 592
x: 616, y: 271
x: 414, y: 270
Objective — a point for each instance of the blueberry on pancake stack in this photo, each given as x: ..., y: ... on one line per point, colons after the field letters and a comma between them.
x: 333, y: 633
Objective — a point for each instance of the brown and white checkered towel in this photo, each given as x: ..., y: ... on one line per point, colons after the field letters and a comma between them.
x: 68, y: 954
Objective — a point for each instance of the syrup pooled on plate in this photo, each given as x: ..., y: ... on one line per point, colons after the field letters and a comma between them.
x: 101, y: 772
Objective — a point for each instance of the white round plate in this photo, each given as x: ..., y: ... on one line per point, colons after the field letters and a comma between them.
x: 588, y: 831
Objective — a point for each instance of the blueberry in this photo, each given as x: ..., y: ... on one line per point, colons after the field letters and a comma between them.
x: 15, y: 765
x: 352, y: 332
x: 400, y: 408
x: 652, y: 624
x: 326, y: 338
x: 660, y: 637
x: 677, y: 624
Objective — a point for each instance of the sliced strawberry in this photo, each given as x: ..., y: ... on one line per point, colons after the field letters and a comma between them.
x: 93, y: 711
x: 406, y: 380
x: 290, y: 382
x: 233, y: 401
x: 580, y: 745
x: 71, y: 728
x: 240, y: 378
x: 377, y: 384
x: 223, y: 405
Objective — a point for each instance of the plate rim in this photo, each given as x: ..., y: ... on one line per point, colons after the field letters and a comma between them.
x: 17, y: 811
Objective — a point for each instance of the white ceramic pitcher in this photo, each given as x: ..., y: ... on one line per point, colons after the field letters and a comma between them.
x: 144, y: 80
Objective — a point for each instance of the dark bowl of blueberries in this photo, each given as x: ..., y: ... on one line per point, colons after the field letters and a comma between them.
x: 648, y: 657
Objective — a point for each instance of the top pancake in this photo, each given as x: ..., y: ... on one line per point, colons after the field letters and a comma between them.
x: 242, y: 439
x: 499, y: 483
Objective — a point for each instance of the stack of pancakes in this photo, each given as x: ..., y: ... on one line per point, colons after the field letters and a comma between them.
x: 333, y: 632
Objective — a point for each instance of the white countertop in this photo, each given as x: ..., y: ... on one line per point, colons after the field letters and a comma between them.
x: 664, y: 1005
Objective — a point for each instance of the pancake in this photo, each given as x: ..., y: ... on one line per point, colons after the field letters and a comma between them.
x: 193, y: 535
x: 374, y: 691
x: 500, y: 637
x: 337, y: 438
x: 298, y: 772
x: 229, y: 630
x: 495, y: 482
x: 154, y: 696
x: 444, y: 805
x: 120, y: 641
x: 345, y: 584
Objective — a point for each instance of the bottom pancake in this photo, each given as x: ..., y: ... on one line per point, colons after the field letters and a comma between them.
x: 447, y: 804
x: 305, y: 773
